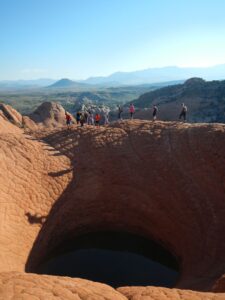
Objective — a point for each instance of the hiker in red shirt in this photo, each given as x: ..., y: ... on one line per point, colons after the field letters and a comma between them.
x: 97, y: 119
x: 68, y: 120
x: 131, y: 110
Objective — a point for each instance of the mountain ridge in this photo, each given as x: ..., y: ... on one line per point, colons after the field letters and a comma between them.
x: 153, y: 75
x: 66, y: 83
x: 145, y: 76
x: 205, y: 101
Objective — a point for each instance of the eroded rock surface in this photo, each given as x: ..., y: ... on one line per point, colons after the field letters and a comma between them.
x: 167, y: 177
x: 29, y: 186
x: 48, y: 114
x: 160, y: 180
x: 155, y: 293
x: 11, y: 114
x: 35, y: 287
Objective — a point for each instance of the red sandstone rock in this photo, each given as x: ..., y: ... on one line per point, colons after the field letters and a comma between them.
x: 29, y: 186
x: 11, y: 114
x: 156, y: 293
x: 49, y: 114
x: 29, y: 124
x: 167, y: 177
x: 6, y: 126
x: 31, y: 286
x: 160, y: 180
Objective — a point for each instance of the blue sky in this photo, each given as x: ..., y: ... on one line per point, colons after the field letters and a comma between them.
x: 82, y: 38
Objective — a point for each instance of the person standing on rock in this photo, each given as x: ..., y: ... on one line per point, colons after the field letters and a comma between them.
x: 68, y: 119
x: 90, y: 119
x: 78, y: 117
x: 97, y: 119
x: 82, y: 119
x: 131, y: 111
x: 183, y: 113
x: 106, y: 118
x: 154, y: 114
x: 120, y: 110
x: 85, y: 116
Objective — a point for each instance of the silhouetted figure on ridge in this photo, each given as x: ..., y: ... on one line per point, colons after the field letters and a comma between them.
x: 154, y: 114
x: 183, y: 113
x: 131, y: 110
x: 120, y: 110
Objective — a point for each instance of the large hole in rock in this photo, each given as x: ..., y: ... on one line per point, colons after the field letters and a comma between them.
x: 114, y: 258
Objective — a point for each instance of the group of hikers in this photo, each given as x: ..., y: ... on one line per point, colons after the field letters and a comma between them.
x: 90, y: 118
x: 155, y: 109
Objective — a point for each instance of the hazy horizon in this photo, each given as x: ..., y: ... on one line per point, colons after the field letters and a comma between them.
x: 82, y: 39
x: 106, y: 75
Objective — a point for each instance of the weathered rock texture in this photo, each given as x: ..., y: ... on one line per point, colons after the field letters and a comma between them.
x: 11, y: 114
x: 14, y: 285
x: 28, y: 189
x: 160, y: 180
x: 155, y: 293
x: 34, y: 287
x: 168, y: 177
x: 48, y: 114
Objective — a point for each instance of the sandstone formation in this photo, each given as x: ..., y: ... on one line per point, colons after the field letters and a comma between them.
x: 29, y: 124
x: 49, y: 114
x: 160, y: 180
x: 11, y: 114
x: 27, y: 191
x: 14, y: 285
x: 154, y: 293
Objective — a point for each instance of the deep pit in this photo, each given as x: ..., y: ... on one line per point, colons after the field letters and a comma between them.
x: 117, y: 259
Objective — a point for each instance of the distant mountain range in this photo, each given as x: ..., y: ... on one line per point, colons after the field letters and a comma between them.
x: 155, y: 75
x: 148, y: 76
x: 70, y: 84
